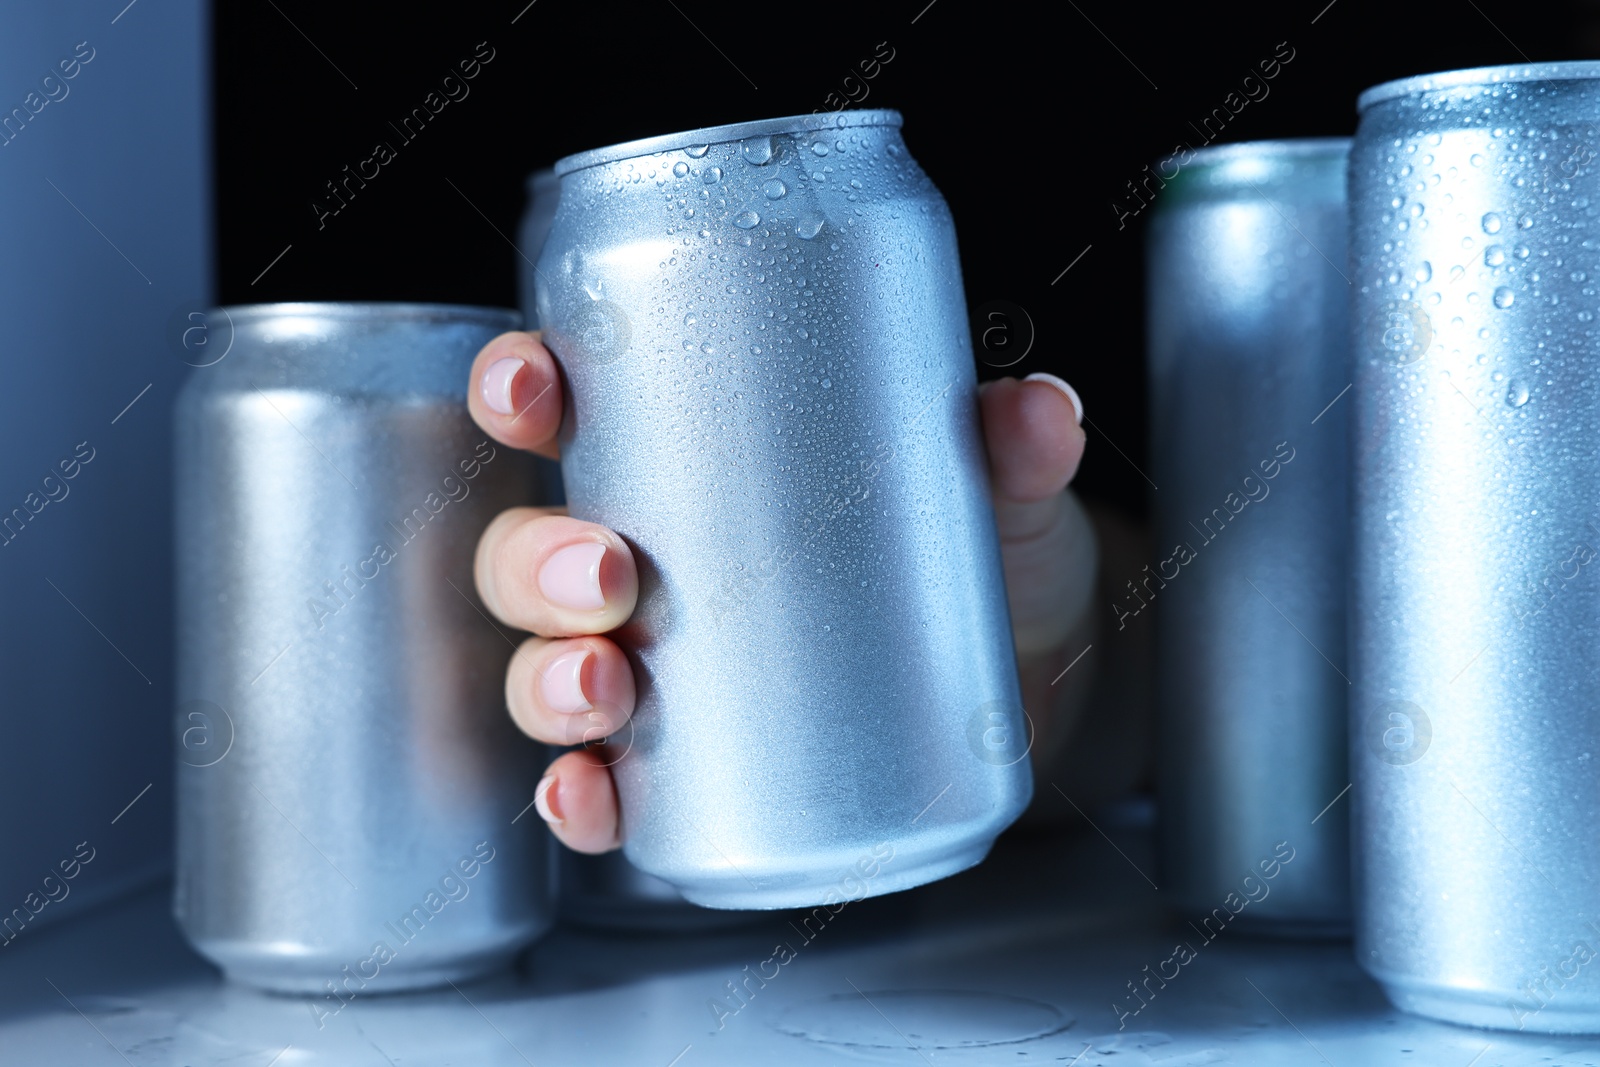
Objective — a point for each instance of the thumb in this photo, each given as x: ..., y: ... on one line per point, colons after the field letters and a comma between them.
x: 1047, y: 544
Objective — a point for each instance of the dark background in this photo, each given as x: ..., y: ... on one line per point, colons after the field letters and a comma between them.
x: 1032, y: 118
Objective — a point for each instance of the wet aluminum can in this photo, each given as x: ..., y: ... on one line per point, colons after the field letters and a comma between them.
x: 773, y: 398
x: 1248, y: 311
x: 543, y: 191
x: 1476, y: 633
x: 349, y: 783
x: 605, y: 890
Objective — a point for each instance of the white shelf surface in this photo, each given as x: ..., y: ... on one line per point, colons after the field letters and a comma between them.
x: 1015, y: 963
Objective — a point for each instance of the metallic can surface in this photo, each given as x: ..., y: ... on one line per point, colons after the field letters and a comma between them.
x: 604, y: 890
x: 1476, y: 616
x: 772, y: 396
x: 360, y: 777
x: 1248, y: 339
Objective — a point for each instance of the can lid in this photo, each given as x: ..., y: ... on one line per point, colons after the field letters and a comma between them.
x: 347, y: 310
x: 1293, y: 149
x: 1308, y: 167
x: 736, y: 131
x: 1574, y: 70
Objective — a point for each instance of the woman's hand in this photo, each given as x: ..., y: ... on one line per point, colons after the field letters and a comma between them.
x: 572, y: 582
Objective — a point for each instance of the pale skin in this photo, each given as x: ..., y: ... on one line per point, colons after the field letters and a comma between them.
x: 571, y: 582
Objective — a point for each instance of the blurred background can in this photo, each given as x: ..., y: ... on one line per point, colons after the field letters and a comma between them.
x: 1475, y: 259
x: 773, y: 398
x: 1248, y: 305
x: 349, y: 782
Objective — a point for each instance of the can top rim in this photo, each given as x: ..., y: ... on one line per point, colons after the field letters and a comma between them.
x: 1290, y: 148
x: 1569, y: 70
x: 735, y: 131
x: 372, y: 309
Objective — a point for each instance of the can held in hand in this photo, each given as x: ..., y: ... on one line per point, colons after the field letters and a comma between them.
x: 1248, y: 304
x: 773, y: 398
x: 594, y: 890
x: 1476, y: 608
x: 349, y: 781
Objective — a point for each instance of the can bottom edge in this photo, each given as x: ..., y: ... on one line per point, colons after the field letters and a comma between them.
x: 311, y: 975
x: 1491, y: 1010
x: 736, y: 894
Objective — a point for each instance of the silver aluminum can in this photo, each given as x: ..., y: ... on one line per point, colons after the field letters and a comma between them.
x: 604, y: 890
x: 1248, y: 306
x: 347, y: 774
x: 773, y: 398
x: 1476, y: 610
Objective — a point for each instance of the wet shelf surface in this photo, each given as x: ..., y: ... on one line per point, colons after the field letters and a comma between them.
x: 1026, y: 960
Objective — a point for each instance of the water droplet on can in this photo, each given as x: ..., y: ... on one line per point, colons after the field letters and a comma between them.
x: 757, y: 150
x: 697, y: 151
x: 1491, y: 222
x: 679, y: 169
x: 1517, y: 393
x: 1493, y: 256
x: 774, y: 189
x: 746, y: 219
x: 808, y: 226
x: 1504, y: 297
x: 711, y: 175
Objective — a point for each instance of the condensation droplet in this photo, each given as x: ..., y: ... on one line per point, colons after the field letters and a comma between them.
x: 697, y: 151
x: 1493, y: 256
x: 1504, y: 297
x: 1491, y: 222
x: 757, y: 150
x: 1517, y: 393
x: 1425, y: 271
x: 711, y: 175
x: 679, y: 169
x: 808, y: 226
x: 746, y: 219
x: 774, y: 189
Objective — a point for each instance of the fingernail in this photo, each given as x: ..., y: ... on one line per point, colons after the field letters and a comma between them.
x: 541, y: 801
x: 496, y: 384
x: 1070, y: 393
x: 571, y: 577
x: 561, y: 684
